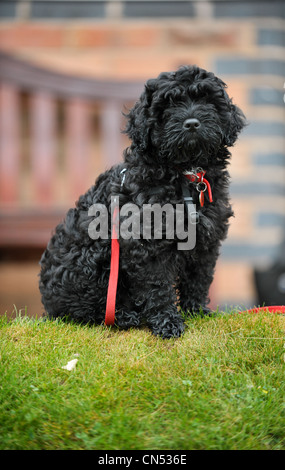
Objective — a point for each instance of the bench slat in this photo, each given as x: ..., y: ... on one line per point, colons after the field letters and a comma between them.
x: 28, y: 228
x: 43, y: 156
x: 9, y: 144
x: 111, y: 126
x: 77, y: 146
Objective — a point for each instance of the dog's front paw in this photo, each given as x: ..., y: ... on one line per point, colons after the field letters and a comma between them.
x: 168, y: 327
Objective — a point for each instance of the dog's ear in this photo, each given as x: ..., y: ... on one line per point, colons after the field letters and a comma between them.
x: 139, y: 120
x: 236, y: 122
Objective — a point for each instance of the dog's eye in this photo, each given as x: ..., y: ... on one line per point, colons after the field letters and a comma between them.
x: 174, y: 101
x: 167, y: 113
x: 178, y: 103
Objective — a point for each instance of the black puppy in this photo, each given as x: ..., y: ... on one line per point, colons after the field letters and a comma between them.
x: 180, y: 131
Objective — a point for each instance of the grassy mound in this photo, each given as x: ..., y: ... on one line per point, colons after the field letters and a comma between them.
x: 220, y: 386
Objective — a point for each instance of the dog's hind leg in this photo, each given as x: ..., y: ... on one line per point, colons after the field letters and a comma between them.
x: 128, y: 311
x: 126, y: 318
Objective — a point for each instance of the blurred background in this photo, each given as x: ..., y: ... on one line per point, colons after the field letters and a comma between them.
x: 67, y: 71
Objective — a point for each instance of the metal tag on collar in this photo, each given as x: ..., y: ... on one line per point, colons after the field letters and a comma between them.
x: 201, y: 188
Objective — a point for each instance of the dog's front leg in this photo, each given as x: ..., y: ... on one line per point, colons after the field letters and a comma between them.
x: 195, y: 281
x: 152, y: 295
x: 160, y: 309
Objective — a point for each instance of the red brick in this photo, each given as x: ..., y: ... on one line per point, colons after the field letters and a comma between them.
x: 186, y: 36
x: 142, y: 66
x: 90, y: 36
x: 30, y: 35
x: 114, y: 36
x: 137, y: 36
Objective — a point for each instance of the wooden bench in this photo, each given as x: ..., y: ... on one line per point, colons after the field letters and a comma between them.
x: 56, y: 131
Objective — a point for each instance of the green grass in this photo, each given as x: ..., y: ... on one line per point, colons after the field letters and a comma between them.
x: 220, y: 386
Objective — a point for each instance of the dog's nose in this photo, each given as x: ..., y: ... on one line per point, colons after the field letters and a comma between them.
x: 191, y: 124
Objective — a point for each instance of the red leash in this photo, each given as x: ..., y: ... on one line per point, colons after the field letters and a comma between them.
x: 270, y: 309
x: 114, y: 271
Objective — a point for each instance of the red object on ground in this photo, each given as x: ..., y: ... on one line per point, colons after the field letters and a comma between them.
x: 270, y: 309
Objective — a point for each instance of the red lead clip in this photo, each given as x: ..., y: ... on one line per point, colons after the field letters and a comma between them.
x: 201, y: 184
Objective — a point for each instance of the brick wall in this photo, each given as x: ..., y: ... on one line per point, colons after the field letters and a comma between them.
x: 242, y: 42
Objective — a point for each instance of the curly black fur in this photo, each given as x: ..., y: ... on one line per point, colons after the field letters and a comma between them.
x: 75, y: 269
